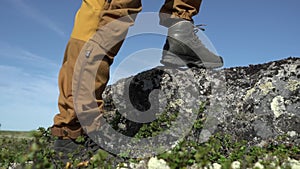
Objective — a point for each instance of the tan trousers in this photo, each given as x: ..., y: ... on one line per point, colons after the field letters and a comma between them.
x: 88, y: 78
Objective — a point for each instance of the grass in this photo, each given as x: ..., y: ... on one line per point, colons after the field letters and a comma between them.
x: 16, y: 134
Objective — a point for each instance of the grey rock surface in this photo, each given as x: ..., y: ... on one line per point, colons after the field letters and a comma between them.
x: 256, y: 103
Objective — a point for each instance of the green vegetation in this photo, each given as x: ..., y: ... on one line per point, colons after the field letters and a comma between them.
x: 36, y: 152
x: 222, y: 149
x: 33, y: 150
x: 23, y: 134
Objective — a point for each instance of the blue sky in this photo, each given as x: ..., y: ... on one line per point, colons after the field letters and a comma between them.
x: 34, y: 34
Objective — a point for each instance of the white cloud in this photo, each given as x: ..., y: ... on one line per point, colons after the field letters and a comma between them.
x: 28, y: 87
x: 27, y: 101
x: 38, y: 16
x: 27, y: 58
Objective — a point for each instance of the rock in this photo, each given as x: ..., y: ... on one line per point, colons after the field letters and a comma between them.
x: 256, y: 103
x: 260, y: 109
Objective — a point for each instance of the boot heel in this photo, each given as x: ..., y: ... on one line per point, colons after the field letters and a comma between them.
x: 170, y: 59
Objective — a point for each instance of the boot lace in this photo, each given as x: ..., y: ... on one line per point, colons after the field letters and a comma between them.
x: 91, y: 145
x: 196, y: 30
x: 199, y: 27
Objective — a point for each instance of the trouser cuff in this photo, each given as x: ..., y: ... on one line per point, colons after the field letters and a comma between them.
x: 64, y: 132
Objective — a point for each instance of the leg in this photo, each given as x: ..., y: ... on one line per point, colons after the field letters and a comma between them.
x: 184, y: 9
x: 66, y: 123
x: 96, y: 57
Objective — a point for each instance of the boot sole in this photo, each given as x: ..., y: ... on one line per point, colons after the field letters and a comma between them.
x: 177, y: 62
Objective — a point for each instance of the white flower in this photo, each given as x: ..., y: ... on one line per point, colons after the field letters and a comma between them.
x: 236, y: 165
x: 155, y: 163
x: 294, y: 164
x: 257, y: 165
x: 216, y: 166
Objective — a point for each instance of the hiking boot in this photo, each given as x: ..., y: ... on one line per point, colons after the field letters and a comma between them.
x: 69, y: 148
x: 184, y: 48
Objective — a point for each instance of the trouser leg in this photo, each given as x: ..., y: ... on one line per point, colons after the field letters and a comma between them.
x: 96, y: 57
x: 66, y: 123
x: 184, y: 9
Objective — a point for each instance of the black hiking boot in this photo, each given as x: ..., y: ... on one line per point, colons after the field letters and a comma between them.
x: 69, y: 149
x: 184, y: 48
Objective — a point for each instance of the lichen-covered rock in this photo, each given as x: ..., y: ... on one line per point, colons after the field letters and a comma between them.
x: 267, y: 102
x: 255, y: 103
